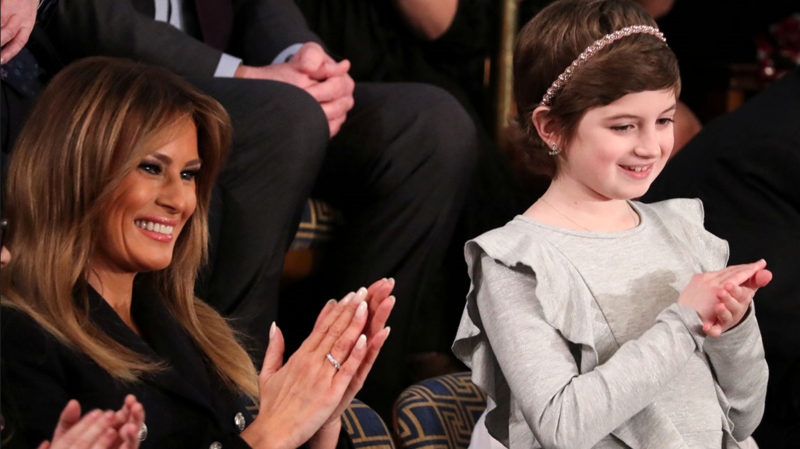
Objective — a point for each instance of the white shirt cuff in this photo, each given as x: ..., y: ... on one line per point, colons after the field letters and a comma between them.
x: 287, y: 54
x: 227, y: 66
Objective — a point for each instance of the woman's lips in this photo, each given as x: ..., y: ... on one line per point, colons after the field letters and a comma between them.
x: 157, y: 229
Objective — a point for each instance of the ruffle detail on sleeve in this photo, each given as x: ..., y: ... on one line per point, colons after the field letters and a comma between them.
x: 684, y: 219
x: 565, y: 306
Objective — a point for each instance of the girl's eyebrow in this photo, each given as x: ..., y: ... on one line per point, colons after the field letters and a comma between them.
x: 627, y: 116
x: 634, y: 117
x: 671, y: 108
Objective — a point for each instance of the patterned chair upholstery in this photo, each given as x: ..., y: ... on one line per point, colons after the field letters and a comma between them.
x: 317, y: 225
x: 439, y: 412
x: 366, y: 428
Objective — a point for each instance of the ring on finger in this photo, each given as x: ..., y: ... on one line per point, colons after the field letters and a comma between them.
x: 333, y: 361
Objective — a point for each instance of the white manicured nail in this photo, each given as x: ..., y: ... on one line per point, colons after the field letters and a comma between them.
x: 362, y: 341
x: 272, y: 330
x: 347, y: 298
x: 362, y: 309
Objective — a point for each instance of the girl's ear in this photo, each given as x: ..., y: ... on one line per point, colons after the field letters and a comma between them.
x: 546, y: 126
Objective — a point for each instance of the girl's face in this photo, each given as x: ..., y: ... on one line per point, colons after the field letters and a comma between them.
x: 619, y: 149
x: 151, y: 206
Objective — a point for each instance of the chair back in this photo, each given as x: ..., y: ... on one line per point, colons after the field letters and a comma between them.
x: 439, y: 412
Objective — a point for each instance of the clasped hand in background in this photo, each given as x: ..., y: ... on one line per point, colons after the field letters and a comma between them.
x: 314, y: 71
x: 17, y: 18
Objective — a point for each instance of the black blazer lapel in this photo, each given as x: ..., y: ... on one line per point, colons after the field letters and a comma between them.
x: 185, y: 375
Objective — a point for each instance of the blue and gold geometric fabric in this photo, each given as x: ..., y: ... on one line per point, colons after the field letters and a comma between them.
x: 317, y: 225
x: 366, y: 428
x: 439, y: 412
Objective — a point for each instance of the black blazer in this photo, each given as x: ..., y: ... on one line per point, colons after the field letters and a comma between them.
x: 745, y: 166
x: 186, y: 406
x: 125, y: 28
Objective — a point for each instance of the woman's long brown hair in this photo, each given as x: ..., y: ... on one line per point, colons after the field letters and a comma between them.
x: 90, y: 128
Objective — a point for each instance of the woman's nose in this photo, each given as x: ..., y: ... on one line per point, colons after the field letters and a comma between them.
x: 174, y: 195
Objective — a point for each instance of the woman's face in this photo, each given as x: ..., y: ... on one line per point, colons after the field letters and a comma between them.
x: 151, y: 206
x: 619, y: 149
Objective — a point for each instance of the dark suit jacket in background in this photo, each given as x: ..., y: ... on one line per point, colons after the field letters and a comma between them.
x: 16, y: 104
x: 745, y: 167
x: 125, y: 28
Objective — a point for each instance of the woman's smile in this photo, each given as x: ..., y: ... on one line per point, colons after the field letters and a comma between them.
x: 157, y: 228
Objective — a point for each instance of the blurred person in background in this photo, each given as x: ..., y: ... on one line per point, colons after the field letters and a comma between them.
x: 744, y: 166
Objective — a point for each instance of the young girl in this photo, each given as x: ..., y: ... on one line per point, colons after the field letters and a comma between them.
x: 595, y: 321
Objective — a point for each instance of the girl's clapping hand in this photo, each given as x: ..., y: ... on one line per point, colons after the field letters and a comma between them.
x: 735, y: 301
x: 703, y: 289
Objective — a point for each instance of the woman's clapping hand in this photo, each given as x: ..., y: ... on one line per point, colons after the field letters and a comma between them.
x: 98, y: 429
x: 309, y: 392
x: 379, y: 306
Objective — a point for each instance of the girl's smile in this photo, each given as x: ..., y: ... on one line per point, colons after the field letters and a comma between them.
x: 637, y: 171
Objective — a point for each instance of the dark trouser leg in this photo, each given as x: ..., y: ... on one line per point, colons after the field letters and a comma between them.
x: 280, y: 135
x: 399, y: 170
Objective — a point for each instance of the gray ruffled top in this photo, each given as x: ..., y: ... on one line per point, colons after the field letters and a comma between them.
x: 579, y: 340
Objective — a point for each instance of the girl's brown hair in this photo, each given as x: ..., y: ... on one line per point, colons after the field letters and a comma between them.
x: 90, y: 128
x: 549, y: 43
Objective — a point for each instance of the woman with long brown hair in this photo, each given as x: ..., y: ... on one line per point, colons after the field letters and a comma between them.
x: 107, y: 202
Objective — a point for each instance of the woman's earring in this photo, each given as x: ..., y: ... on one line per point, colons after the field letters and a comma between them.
x: 554, y: 149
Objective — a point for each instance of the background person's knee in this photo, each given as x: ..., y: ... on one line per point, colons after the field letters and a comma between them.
x: 283, y: 130
x: 448, y: 130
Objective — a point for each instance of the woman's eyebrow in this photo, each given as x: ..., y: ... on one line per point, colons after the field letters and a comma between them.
x: 163, y: 158
x: 166, y: 160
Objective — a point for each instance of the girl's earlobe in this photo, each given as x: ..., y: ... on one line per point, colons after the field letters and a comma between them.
x: 545, y: 125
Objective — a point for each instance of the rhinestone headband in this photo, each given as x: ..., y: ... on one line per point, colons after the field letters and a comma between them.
x: 562, y: 79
